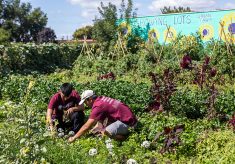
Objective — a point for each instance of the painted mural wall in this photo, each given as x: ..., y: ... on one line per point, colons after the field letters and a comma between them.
x: 166, y: 27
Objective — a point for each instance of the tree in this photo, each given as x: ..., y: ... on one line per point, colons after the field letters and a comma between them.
x: 180, y: 9
x: 126, y: 12
x: 84, y: 31
x: 21, y: 21
x: 4, y: 36
x: 37, y: 20
x: 46, y: 35
x: 105, y: 28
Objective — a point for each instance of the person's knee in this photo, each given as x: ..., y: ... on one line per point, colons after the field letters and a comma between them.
x: 117, y: 137
x: 117, y: 128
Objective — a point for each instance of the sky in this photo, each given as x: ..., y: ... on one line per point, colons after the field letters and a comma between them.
x: 65, y: 16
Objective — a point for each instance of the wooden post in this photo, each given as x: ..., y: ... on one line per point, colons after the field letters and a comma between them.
x: 120, y: 44
x: 168, y: 29
x: 152, y: 44
x: 226, y: 42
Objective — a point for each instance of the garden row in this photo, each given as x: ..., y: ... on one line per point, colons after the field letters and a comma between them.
x: 43, y: 58
x: 188, y: 101
x: 25, y: 139
x: 148, y: 57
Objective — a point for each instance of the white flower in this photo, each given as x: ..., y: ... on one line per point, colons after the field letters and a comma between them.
x: 145, y: 144
x: 44, y: 150
x: 131, y: 161
x: 111, y: 153
x: 44, y: 161
x: 109, y: 145
x: 92, y: 152
x: 71, y: 133
x: 60, y: 130
x: 108, y: 141
x: 46, y: 134
x: 22, y: 140
x: 8, y: 103
x: 2, y: 107
x: 61, y: 134
x: 36, y: 146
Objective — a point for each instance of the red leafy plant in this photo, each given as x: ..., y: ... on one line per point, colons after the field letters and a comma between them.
x: 186, y: 62
x: 231, y: 122
x: 203, y: 77
x: 171, y: 138
x: 162, y: 88
x: 109, y: 75
x: 204, y: 74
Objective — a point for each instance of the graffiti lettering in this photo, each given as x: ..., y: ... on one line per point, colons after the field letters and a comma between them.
x: 182, y: 19
x: 160, y: 21
x: 205, y: 17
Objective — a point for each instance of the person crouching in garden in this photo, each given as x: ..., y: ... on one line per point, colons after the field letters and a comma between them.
x: 64, y: 107
x: 119, y: 115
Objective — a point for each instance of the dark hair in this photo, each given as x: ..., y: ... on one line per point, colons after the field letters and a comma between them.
x: 66, y: 89
x: 94, y: 96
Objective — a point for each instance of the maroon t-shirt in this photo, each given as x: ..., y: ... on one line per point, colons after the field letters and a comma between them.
x: 106, y: 107
x: 58, y: 105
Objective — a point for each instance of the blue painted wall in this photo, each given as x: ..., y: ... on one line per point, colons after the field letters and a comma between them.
x: 166, y: 27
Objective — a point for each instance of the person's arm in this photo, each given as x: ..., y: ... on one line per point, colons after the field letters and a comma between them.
x: 83, y: 130
x: 75, y: 109
x: 49, y: 119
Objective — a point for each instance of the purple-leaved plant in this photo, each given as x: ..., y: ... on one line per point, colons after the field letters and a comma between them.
x: 109, y: 75
x: 162, y: 88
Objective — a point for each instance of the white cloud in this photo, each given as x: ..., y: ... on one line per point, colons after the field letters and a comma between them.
x: 137, y: 5
x: 197, y: 5
x: 88, y: 13
x: 26, y: 0
x: 89, y: 7
x: 229, y: 5
x: 92, y: 3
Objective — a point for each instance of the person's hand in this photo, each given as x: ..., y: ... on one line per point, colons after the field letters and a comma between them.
x: 71, y: 139
x: 69, y: 111
x: 52, y: 128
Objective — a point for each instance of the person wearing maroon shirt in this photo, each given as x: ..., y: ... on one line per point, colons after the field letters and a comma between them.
x: 66, y: 103
x: 119, y: 115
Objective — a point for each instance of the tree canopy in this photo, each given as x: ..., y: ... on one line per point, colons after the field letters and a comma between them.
x: 84, y: 31
x: 105, y: 27
x: 21, y: 21
x: 167, y: 10
x: 4, y: 36
x: 46, y: 35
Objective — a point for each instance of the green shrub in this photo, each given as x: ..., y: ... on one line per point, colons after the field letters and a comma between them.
x: 134, y: 95
x: 225, y: 101
x: 189, y: 102
x: 25, y: 58
x: 216, y: 147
